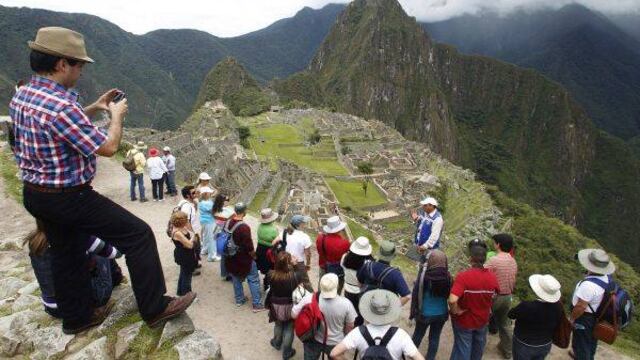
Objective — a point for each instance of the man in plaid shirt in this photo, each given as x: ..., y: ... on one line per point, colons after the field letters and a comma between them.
x: 55, y: 147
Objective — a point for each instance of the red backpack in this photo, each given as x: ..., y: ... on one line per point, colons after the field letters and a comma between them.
x: 308, y: 322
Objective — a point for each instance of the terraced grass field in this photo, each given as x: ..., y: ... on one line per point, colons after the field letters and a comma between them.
x: 350, y: 194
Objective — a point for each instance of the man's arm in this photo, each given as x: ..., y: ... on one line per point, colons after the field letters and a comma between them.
x: 454, y: 307
x: 405, y: 299
x: 578, y: 310
x: 436, y: 229
x: 307, y: 255
x: 101, y: 104
x: 338, y: 351
x: 348, y: 327
x: 118, y: 112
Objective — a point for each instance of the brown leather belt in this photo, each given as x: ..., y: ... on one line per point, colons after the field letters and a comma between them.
x: 51, y: 190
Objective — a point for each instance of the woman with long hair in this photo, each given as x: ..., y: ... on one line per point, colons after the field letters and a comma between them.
x: 221, y: 214
x: 429, y: 303
x: 279, y: 301
x: 184, y: 253
x: 352, y: 261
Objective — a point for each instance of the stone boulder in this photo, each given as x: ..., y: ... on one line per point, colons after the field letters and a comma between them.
x: 198, y: 346
x: 49, y: 342
x: 29, y: 289
x: 125, y: 336
x: 9, y: 286
x: 97, y: 350
x: 24, y: 302
x: 125, y: 306
x: 176, y: 328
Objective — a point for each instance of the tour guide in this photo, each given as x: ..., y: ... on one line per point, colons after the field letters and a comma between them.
x: 56, y: 146
x: 429, y: 225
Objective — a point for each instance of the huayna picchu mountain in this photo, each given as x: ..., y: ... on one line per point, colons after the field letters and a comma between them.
x: 513, y: 126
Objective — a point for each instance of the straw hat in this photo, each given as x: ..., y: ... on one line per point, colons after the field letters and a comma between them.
x: 429, y: 200
x: 361, y: 246
x: 380, y: 307
x: 204, y: 176
x: 546, y: 287
x: 334, y: 225
x: 596, y: 261
x: 268, y: 216
x: 141, y: 145
x: 58, y: 41
x: 329, y: 286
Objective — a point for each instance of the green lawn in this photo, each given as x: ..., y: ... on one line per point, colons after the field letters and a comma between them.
x: 8, y: 170
x: 398, y: 225
x: 257, y: 202
x: 350, y: 194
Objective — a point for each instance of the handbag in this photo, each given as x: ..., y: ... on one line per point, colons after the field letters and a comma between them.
x: 604, y: 330
x: 562, y: 333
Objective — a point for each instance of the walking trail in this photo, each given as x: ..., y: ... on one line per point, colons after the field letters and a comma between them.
x: 241, y: 333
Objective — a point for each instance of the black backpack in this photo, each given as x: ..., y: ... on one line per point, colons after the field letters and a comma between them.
x: 377, y: 351
x: 372, y: 282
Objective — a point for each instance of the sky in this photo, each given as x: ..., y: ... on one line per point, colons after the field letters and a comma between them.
x: 226, y: 18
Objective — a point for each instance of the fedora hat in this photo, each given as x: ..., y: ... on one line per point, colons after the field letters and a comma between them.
x: 361, y: 246
x: 380, y: 307
x: 387, y: 251
x: 58, y: 41
x: 268, y: 216
x: 546, y: 287
x: 596, y: 261
x: 334, y: 225
x: 329, y: 286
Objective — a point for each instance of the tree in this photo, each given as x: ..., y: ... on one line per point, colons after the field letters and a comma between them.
x: 365, y: 186
x: 314, y: 137
x: 365, y: 168
x: 244, y: 133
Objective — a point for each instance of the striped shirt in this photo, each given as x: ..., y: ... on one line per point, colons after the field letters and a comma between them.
x: 506, y: 269
x: 475, y: 289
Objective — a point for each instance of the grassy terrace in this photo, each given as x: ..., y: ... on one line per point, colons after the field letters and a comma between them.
x: 350, y: 194
x: 8, y: 170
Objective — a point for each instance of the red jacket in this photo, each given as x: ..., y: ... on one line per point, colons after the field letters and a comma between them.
x: 335, y: 246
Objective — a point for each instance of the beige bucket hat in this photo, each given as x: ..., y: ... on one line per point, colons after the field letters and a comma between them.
x: 596, y: 261
x: 62, y: 42
x: 546, y: 287
x: 380, y: 307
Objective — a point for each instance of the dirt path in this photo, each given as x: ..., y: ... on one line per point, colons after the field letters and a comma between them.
x: 241, y: 333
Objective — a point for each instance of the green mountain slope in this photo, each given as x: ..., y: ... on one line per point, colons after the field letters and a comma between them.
x: 514, y: 127
x: 583, y: 50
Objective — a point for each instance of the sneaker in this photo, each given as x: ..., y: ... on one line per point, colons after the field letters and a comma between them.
x: 244, y: 301
x: 258, y: 308
x: 98, y: 316
x: 134, y: 199
x: 161, y: 200
x: 273, y: 344
x: 155, y: 200
x: 289, y: 355
x: 143, y: 200
x: 217, y: 258
x: 175, y: 307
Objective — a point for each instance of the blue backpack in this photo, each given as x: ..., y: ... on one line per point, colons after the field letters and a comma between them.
x: 623, y: 305
x: 224, y: 239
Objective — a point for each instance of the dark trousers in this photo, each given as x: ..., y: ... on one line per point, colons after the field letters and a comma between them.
x: 67, y: 217
x: 522, y: 351
x: 156, y: 188
x: 435, y: 323
x: 583, y: 343
x: 313, y: 350
x: 184, y: 280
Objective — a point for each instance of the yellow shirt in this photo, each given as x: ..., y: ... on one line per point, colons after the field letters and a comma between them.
x: 139, y: 159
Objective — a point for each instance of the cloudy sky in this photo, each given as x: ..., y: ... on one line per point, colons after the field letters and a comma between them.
x: 235, y: 17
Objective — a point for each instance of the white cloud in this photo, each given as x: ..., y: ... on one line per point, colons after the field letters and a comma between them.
x: 235, y: 17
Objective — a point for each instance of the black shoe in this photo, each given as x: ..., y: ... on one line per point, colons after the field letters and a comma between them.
x: 196, y: 273
x: 273, y: 344
x: 228, y: 278
x: 143, y: 200
x: 98, y: 316
x: 134, y: 199
x: 288, y: 356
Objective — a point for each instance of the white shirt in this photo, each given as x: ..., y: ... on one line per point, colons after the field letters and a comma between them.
x: 436, y: 229
x: 170, y: 162
x: 297, y: 243
x: 156, y: 167
x: 399, y: 344
x: 189, y: 209
x: 589, y: 292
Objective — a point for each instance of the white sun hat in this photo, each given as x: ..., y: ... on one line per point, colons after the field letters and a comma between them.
x: 361, y: 246
x: 334, y: 225
x: 206, y: 190
x: 429, y: 200
x: 546, y: 287
x: 204, y: 176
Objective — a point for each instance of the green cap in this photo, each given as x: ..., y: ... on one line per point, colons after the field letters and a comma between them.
x: 387, y: 251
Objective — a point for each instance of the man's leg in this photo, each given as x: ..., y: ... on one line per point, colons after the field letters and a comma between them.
x: 171, y: 182
x: 101, y: 282
x: 420, y: 330
x: 238, y: 290
x: 253, y: 279
x: 501, y: 306
x: 141, y: 186
x: 161, y: 188
x: 312, y: 350
x: 132, y: 186
x: 461, y: 343
x: 582, y: 341
x: 478, y: 343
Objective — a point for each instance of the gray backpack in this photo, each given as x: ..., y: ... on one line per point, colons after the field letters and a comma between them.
x: 226, y: 235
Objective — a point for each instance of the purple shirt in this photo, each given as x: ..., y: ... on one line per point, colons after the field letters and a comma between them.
x: 55, y: 141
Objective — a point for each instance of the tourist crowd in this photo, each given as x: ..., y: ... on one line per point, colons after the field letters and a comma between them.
x: 359, y: 296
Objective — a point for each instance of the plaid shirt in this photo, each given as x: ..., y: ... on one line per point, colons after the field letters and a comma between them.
x: 55, y: 140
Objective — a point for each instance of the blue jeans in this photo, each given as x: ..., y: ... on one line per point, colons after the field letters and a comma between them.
x: 171, y: 182
x: 184, y: 280
x: 139, y: 178
x: 583, y: 343
x: 253, y: 279
x: 468, y: 344
x: 522, y: 351
x: 436, y: 323
x: 101, y: 283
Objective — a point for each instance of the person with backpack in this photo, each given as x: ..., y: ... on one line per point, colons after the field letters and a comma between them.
x: 537, y: 320
x: 221, y: 214
x: 267, y: 232
x: 470, y: 303
x: 240, y: 258
x: 184, y: 253
x: 157, y: 169
x: 279, y: 301
x: 136, y: 158
x: 359, y: 252
x: 381, y: 275
x: 378, y: 339
x: 590, y: 297
x: 297, y: 243
x: 205, y: 205
x: 332, y: 244
x: 429, y: 303
x: 338, y: 317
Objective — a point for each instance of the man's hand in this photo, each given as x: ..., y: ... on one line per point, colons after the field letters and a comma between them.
x: 414, y: 215
x: 119, y: 109
x: 421, y: 249
x: 105, y: 99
